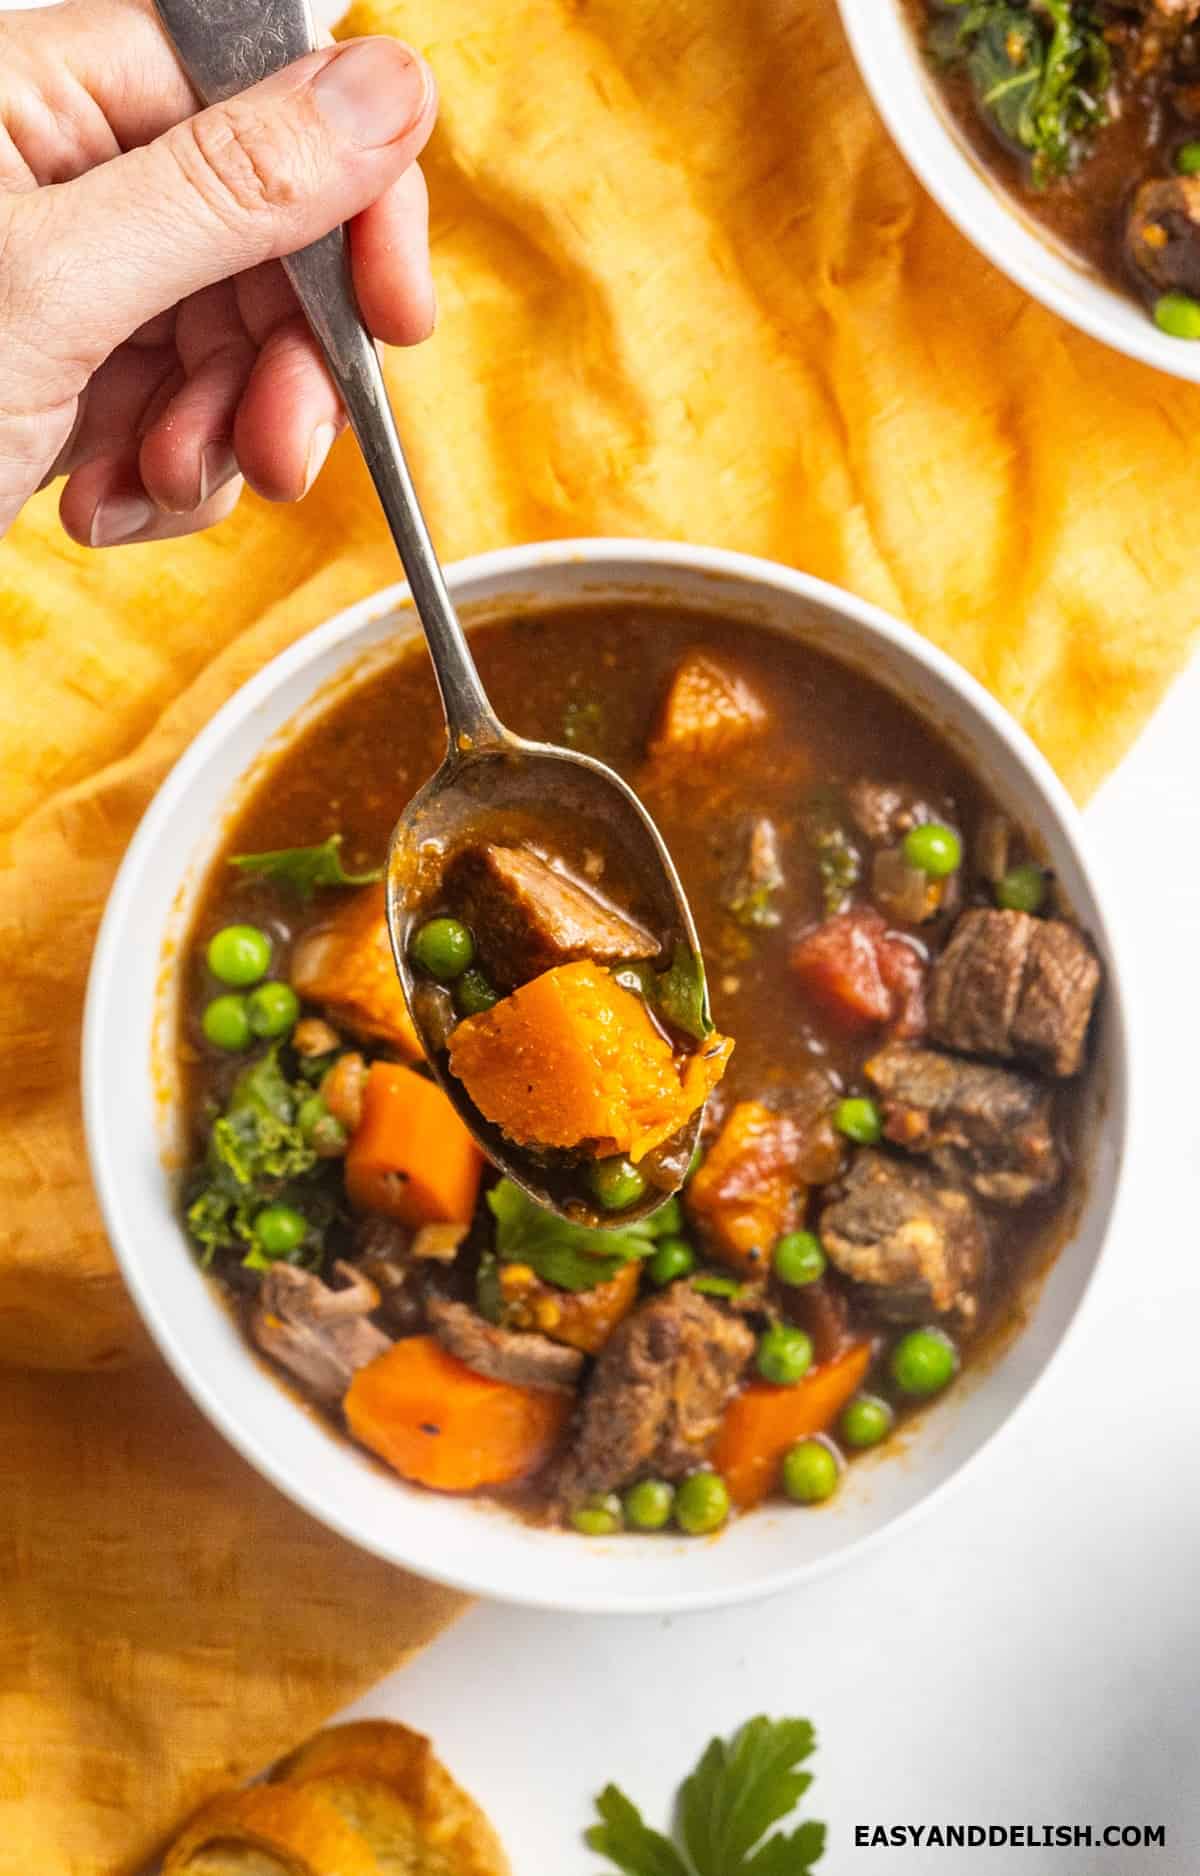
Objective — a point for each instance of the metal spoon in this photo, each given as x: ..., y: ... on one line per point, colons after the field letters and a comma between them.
x: 225, y: 46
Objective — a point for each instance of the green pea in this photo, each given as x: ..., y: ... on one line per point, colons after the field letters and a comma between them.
x: 226, y: 1023
x: 933, y: 849
x: 865, y: 1421
x: 1187, y: 159
x: 311, y: 1110
x: 673, y: 1258
x: 648, y: 1505
x: 666, y: 1222
x: 811, y: 1471
x: 473, y: 994
x: 784, y: 1354
x: 1023, y: 888
x: 239, y: 955
x: 320, y: 1129
x: 279, y: 1230
x: 924, y: 1362
x: 701, y: 1503
x: 694, y: 1164
x: 860, y: 1120
x: 798, y: 1258
x: 616, y: 1183
x: 599, y: 1516
x: 1178, y: 314
x: 443, y: 947
x: 273, y: 1009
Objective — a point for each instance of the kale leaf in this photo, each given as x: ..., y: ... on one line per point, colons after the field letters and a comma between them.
x: 1039, y: 70
x: 255, y: 1156
x: 573, y: 1257
x: 681, y: 994
x: 838, y: 862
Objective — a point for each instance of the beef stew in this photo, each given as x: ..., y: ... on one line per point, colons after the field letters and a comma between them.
x: 891, y: 1152
x: 1088, y: 111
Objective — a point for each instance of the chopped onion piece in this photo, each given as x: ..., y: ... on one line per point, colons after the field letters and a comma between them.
x: 902, y: 891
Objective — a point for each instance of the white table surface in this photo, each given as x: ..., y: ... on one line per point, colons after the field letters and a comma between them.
x: 1031, y: 1650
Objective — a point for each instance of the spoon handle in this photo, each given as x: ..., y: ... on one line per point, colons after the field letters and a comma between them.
x: 320, y: 275
x: 225, y: 46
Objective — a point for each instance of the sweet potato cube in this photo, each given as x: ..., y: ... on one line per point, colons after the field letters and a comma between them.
x: 583, y: 1319
x: 708, y: 708
x: 346, y: 964
x: 747, y: 1192
x: 411, y: 1157
x: 573, y: 1060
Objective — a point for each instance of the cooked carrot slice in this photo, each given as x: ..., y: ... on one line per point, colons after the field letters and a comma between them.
x: 762, y: 1422
x: 572, y: 1059
x: 411, y: 1158
x: 440, y: 1424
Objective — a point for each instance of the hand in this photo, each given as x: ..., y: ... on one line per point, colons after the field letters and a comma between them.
x: 151, y: 349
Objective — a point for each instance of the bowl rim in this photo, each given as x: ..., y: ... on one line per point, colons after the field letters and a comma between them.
x: 922, y: 131
x: 526, y: 562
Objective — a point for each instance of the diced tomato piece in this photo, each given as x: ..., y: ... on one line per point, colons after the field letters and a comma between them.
x: 903, y: 969
x: 838, y: 965
x: 861, y: 975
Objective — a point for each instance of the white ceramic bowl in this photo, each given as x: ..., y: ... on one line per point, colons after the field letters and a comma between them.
x: 468, y: 1544
x: 907, y: 98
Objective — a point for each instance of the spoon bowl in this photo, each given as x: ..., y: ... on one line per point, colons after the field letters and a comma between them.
x: 501, y: 783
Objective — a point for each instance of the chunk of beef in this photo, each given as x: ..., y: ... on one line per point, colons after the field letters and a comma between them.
x: 382, y: 1253
x: 1162, y: 235
x: 1058, y: 994
x: 708, y: 708
x: 1016, y: 987
x: 1160, y: 33
x: 885, y: 811
x: 822, y: 1311
x: 657, y: 1394
x: 527, y: 916
x: 346, y: 965
x: 503, y: 1354
x: 321, y: 1336
x: 861, y: 974
x: 990, y: 1126
x: 913, y: 1245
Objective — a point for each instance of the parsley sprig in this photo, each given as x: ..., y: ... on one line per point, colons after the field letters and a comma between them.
x: 742, y: 1787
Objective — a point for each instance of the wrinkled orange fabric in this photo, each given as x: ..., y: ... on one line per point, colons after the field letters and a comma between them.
x: 687, y: 289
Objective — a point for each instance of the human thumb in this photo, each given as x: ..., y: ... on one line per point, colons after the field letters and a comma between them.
x: 242, y: 182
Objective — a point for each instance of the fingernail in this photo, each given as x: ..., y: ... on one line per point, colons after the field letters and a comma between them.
x: 119, y: 519
x: 374, y: 91
x: 218, y: 465
x: 322, y: 442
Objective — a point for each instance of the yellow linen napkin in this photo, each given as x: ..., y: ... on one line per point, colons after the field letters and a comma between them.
x: 687, y: 289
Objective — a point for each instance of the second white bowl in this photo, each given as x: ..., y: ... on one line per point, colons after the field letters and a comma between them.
x: 907, y: 98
